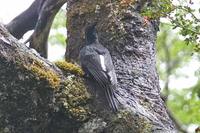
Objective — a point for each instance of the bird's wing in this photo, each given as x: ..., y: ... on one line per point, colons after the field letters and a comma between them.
x: 102, y: 61
x: 110, y: 68
x: 93, y: 65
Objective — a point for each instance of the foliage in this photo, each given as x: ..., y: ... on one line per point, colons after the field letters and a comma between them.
x: 57, y: 38
x: 58, y: 34
x: 60, y: 19
x: 196, y: 90
x: 181, y: 14
x: 158, y: 8
x: 189, y: 25
x: 171, y: 52
x: 185, y: 106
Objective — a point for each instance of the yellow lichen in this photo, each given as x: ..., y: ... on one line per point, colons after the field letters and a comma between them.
x: 51, y: 77
x: 38, y: 69
x: 69, y: 67
x: 126, y: 3
x: 75, y: 97
x: 79, y: 113
x: 76, y: 91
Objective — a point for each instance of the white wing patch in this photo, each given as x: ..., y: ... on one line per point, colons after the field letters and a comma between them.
x: 113, y: 77
x: 102, y: 61
x: 4, y: 39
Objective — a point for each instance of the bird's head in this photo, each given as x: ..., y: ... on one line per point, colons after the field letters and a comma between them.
x: 91, y: 33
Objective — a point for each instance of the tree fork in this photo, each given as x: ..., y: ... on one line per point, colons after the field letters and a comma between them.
x: 39, y: 16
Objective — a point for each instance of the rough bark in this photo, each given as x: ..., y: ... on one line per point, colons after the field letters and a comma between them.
x: 26, y: 20
x: 131, y: 43
x: 36, y: 97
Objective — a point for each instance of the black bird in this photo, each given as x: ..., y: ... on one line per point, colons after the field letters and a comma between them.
x: 97, y: 63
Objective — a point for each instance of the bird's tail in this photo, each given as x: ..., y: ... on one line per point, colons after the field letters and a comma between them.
x: 111, y: 98
x: 108, y: 90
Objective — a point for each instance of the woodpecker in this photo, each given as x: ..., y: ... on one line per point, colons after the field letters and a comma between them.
x: 97, y: 63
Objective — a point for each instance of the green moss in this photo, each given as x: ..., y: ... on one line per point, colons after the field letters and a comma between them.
x: 40, y: 72
x: 125, y: 121
x: 74, y: 98
x: 69, y: 67
x: 50, y: 76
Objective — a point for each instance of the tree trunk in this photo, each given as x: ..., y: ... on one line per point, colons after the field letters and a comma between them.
x: 38, y: 97
x: 131, y: 42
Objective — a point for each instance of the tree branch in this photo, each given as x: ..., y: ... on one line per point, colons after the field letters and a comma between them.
x: 36, y: 96
x: 39, y: 16
x: 26, y: 20
x: 39, y: 38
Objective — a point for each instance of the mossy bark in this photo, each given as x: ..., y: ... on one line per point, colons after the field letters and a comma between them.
x: 131, y: 42
x: 36, y: 96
